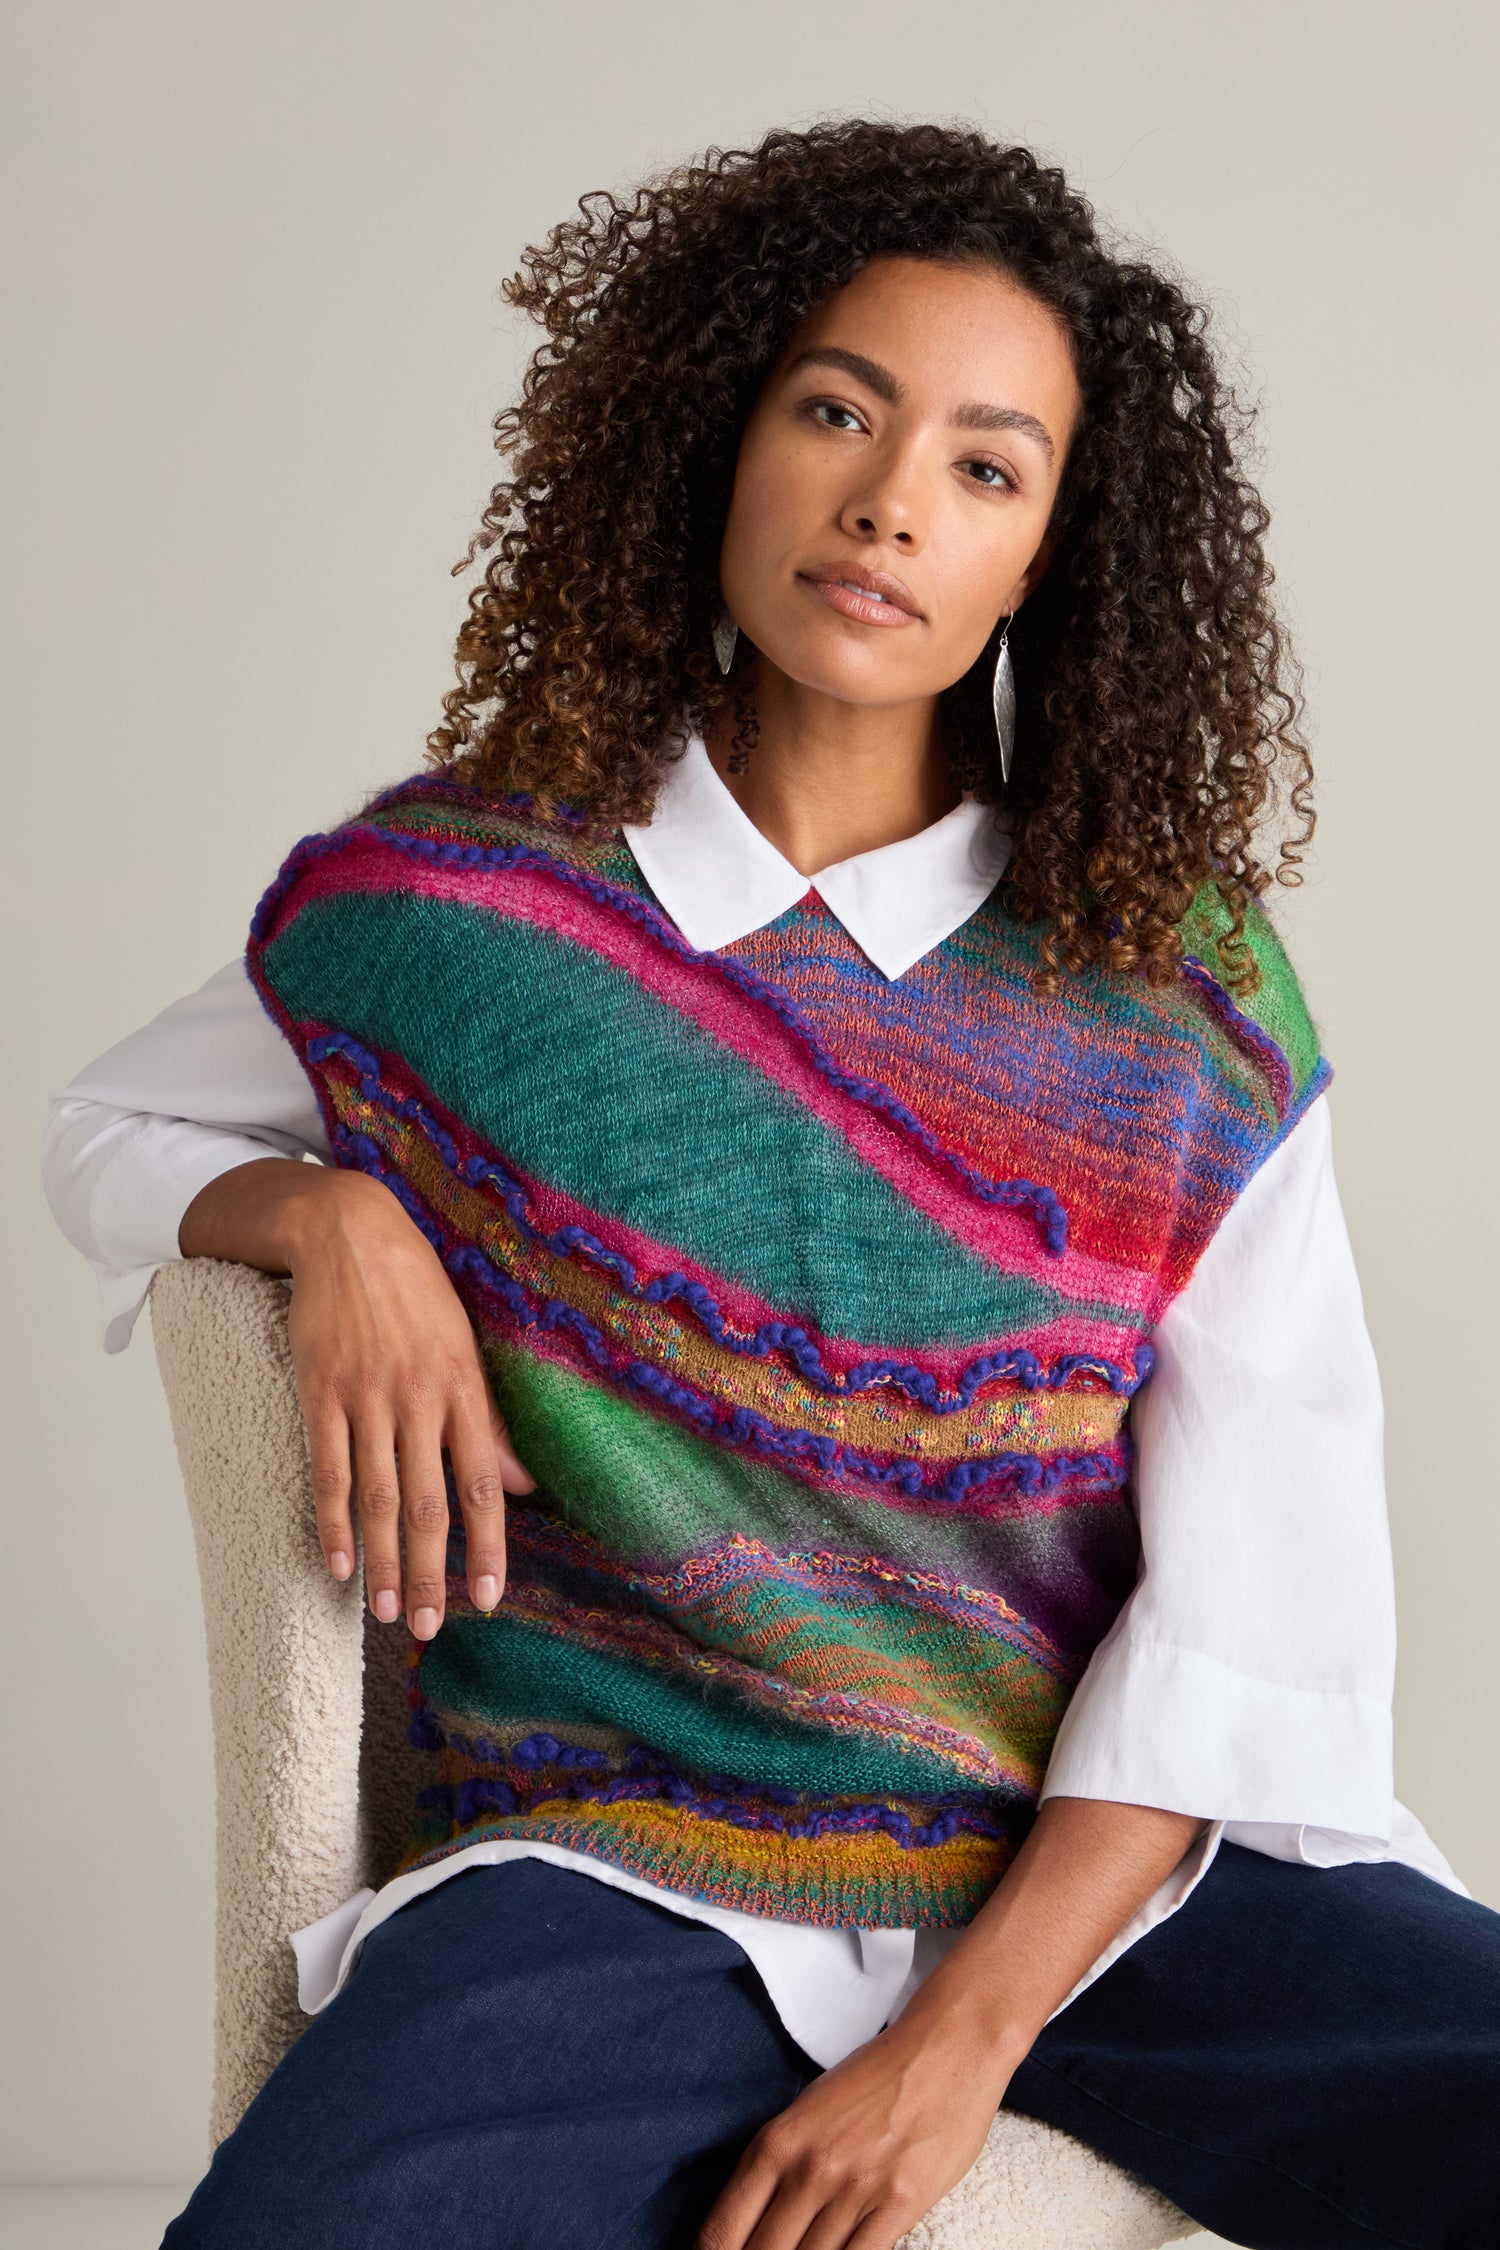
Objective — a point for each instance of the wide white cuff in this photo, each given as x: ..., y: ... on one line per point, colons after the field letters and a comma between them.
x: 118, y: 1182
x: 1152, y: 1724
x: 207, y: 1084
x: 1305, y: 1846
x: 164, y: 1199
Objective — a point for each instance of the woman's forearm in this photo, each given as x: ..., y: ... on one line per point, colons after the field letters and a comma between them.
x: 900, y: 2121
x: 270, y: 1212
x: 1085, y: 1869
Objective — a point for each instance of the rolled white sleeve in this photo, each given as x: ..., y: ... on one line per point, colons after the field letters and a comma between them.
x: 208, y: 1084
x: 1249, y: 1676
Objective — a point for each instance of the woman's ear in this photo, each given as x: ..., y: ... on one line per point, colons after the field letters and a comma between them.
x: 1035, y: 571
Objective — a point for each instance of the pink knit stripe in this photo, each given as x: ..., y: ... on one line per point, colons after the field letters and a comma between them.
x: 698, y: 990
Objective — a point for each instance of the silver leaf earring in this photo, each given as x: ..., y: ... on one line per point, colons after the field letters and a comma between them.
x: 1004, y: 700
x: 726, y: 633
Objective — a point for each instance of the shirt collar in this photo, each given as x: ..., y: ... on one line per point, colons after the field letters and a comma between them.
x: 719, y: 878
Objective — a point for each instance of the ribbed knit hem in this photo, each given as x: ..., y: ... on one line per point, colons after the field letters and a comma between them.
x: 866, y: 1881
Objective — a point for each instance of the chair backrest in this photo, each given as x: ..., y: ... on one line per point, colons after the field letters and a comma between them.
x: 314, y: 1777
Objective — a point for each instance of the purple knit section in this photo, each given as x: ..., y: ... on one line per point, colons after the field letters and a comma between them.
x: 1319, y: 1080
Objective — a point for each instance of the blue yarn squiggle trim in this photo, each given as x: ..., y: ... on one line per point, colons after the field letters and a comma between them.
x: 1045, y: 1208
x: 1272, y: 1057
x: 1292, y: 1106
x: 786, y: 1337
x: 647, y: 1775
x: 1027, y: 1474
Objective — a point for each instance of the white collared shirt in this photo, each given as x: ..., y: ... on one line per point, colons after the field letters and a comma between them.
x: 1248, y: 1678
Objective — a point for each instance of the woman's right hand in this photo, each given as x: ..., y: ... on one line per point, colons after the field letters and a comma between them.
x: 388, y: 1374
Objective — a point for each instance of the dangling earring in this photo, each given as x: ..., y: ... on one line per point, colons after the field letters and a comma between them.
x: 1003, y: 698
x: 726, y: 633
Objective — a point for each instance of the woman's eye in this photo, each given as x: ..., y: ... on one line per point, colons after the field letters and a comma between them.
x: 831, y: 406
x: 997, y: 480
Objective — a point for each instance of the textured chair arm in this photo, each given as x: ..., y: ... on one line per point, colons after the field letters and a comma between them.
x: 284, y: 1654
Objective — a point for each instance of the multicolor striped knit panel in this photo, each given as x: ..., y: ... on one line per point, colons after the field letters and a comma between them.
x: 813, y: 1300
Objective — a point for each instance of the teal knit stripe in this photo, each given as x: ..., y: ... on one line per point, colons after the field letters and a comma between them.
x: 846, y: 1252
x: 484, y: 1672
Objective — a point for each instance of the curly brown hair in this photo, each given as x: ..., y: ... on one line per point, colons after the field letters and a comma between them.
x: 1157, y: 698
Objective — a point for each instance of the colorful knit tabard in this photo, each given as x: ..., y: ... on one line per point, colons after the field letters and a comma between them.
x: 814, y: 1301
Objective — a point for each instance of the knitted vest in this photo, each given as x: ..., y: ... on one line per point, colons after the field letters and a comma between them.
x: 814, y: 1302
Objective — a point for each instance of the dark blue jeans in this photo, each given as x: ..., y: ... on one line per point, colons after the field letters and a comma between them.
x: 525, y: 2059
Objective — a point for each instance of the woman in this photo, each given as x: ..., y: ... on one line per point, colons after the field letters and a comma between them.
x: 829, y: 1310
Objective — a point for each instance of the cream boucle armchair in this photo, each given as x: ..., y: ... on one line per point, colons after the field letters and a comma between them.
x: 309, y: 1746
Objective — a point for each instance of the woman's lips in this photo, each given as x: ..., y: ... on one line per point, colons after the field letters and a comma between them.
x: 868, y: 609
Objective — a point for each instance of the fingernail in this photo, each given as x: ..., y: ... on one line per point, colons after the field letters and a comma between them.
x: 425, y: 1624
x: 387, y: 1607
x: 339, y: 1563
x: 486, y: 1592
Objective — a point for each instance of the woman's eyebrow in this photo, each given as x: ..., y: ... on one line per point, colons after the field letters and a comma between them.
x: 884, y: 384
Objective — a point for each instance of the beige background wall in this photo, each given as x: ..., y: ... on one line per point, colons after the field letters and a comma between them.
x: 257, y: 346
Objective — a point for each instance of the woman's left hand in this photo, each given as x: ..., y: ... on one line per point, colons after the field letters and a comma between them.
x: 870, y: 2146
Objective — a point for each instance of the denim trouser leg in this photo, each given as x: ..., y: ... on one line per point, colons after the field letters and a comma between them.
x: 1301, y: 2058
x: 526, y: 2059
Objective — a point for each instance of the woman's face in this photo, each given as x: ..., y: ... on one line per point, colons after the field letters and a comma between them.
x: 916, y: 427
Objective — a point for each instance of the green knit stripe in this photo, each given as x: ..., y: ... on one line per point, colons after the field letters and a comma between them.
x: 665, y: 1493
x: 491, y: 1011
